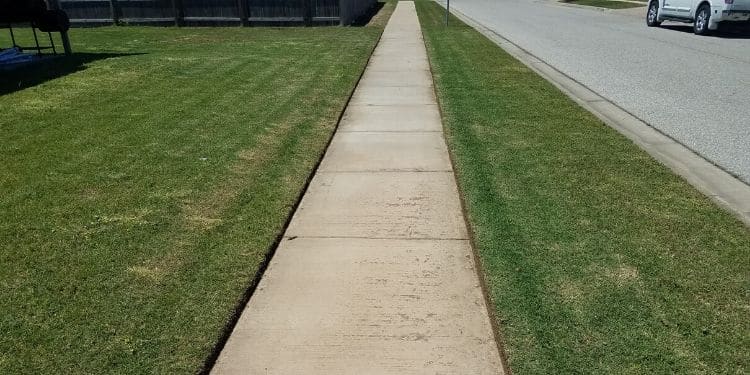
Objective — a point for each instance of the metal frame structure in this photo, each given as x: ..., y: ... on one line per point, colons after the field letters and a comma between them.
x: 38, y: 48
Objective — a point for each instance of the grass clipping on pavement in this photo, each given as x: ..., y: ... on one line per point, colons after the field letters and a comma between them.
x: 145, y: 178
x: 598, y: 259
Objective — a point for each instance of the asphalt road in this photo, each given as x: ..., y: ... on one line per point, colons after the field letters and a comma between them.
x: 694, y: 89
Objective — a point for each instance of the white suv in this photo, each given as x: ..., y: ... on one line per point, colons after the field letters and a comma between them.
x: 706, y: 15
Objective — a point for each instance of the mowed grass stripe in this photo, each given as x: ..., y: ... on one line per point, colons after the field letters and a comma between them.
x: 598, y: 259
x: 144, y: 188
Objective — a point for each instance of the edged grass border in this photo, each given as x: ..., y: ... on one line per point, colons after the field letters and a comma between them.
x: 582, y: 284
x: 378, y: 20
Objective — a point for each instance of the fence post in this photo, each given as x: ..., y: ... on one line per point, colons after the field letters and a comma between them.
x: 307, y: 12
x: 115, y: 11
x: 342, y: 12
x: 244, y: 14
x: 178, y: 12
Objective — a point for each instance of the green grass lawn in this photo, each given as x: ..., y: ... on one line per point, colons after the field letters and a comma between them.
x: 145, y: 179
x: 605, y: 4
x: 598, y: 259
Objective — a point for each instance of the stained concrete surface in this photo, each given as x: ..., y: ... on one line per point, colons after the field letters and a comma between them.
x: 413, y: 118
x: 377, y: 151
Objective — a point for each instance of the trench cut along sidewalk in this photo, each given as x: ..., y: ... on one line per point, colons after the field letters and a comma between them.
x: 375, y: 274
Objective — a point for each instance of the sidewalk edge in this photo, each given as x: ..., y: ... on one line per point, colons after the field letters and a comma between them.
x: 497, y: 332
x: 228, y: 328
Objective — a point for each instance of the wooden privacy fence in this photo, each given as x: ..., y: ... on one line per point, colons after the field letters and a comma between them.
x: 186, y: 12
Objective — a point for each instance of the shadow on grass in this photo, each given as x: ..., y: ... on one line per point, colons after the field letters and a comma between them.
x: 364, y: 19
x: 725, y: 33
x: 47, y: 69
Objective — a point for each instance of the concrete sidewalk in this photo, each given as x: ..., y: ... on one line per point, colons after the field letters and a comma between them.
x: 375, y: 274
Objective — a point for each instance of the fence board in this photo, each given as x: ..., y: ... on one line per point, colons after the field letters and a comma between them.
x: 211, y: 8
x: 325, y: 8
x: 145, y: 9
x: 87, y: 9
x: 216, y: 11
x: 272, y: 8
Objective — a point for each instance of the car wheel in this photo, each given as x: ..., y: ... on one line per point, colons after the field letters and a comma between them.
x: 652, y: 16
x: 702, y: 16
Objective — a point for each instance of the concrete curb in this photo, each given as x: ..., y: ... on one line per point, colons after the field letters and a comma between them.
x: 571, y: 5
x: 723, y: 188
x: 601, y: 9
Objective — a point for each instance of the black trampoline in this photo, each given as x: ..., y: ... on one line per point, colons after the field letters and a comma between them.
x: 39, y: 17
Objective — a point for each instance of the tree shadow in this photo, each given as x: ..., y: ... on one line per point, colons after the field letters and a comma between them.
x: 724, y: 33
x: 364, y: 19
x: 48, y: 68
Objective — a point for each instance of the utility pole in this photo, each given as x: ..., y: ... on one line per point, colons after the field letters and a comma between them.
x: 447, y: 11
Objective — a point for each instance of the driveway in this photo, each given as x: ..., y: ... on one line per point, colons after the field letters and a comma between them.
x: 695, y: 89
